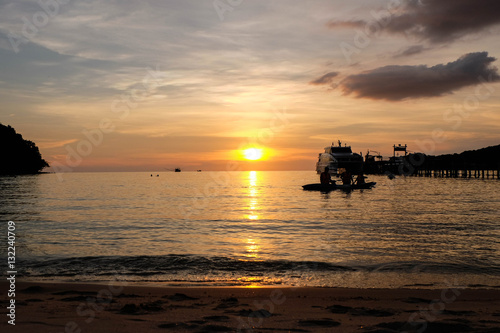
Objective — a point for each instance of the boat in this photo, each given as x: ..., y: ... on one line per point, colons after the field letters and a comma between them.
x: 396, y: 164
x: 332, y: 187
x: 339, y: 159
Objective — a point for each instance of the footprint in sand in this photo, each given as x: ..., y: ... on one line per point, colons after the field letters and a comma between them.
x: 323, y: 323
x: 180, y: 297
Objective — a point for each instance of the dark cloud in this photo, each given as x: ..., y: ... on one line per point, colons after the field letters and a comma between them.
x: 442, y: 20
x: 325, y: 79
x: 434, y: 20
x: 395, y: 83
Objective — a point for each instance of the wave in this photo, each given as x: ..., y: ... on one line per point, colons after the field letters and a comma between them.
x: 179, y: 264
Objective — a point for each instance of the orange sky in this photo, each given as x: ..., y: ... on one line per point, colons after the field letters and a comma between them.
x: 132, y: 86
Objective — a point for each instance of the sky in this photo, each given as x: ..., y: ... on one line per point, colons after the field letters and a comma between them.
x: 155, y: 85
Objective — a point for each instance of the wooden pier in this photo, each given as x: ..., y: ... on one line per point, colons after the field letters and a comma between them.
x: 458, y: 173
x: 480, y: 164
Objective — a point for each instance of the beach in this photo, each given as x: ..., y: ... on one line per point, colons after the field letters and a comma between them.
x: 121, y: 307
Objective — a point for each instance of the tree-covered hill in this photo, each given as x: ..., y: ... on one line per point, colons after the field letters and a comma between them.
x: 17, y: 155
x: 485, y: 158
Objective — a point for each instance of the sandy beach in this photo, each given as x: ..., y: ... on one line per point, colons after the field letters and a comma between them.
x: 116, y: 307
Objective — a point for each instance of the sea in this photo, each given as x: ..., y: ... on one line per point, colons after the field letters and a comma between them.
x: 252, y: 229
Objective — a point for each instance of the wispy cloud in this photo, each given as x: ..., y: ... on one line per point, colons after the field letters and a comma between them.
x: 411, y: 50
x: 55, y: 144
x: 325, y: 79
x: 346, y: 24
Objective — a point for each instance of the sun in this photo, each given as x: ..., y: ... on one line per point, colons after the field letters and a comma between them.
x: 253, y: 154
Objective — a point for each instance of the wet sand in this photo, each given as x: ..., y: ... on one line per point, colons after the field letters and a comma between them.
x: 62, y: 307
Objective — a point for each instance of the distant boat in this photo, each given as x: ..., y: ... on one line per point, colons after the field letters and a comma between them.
x: 177, y: 170
x: 338, y: 159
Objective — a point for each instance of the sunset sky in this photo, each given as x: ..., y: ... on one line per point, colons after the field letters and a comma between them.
x: 153, y: 85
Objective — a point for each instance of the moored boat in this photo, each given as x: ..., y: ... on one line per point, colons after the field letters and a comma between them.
x: 332, y: 187
x: 339, y: 159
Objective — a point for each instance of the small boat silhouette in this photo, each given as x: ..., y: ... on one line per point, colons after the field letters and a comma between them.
x: 332, y: 187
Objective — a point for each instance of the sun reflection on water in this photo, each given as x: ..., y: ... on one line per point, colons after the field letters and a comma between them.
x: 253, y: 192
x: 253, y: 178
x: 251, y: 245
x: 252, y: 249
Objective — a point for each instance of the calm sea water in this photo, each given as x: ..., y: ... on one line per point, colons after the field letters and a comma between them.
x: 253, y: 228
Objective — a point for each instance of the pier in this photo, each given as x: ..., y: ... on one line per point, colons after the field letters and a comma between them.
x: 480, y: 164
x: 458, y: 173
x: 406, y: 168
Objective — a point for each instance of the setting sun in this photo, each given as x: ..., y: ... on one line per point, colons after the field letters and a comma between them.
x: 253, y: 154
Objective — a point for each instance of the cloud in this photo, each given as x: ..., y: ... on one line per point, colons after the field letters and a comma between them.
x: 396, y: 83
x: 414, y: 49
x: 325, y: 79
x: 48, y: 144
x: 346, y: 24
x: 434, y: 20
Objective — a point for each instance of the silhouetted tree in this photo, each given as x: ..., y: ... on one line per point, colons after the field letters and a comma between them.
x: 485, y: 158
x: 18, y: 156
